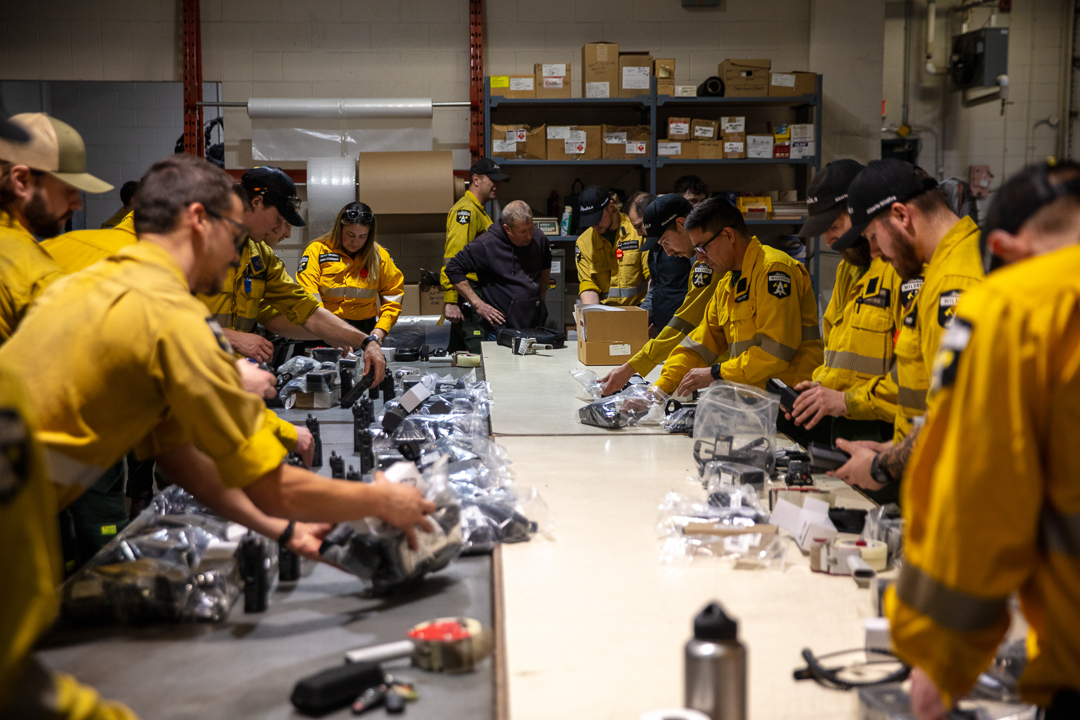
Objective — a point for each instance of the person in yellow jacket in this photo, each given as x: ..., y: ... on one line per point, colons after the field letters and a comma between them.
x: 40, y: 182
x: 991, y: 499
x: 763, y: 313
x: 466, y: 221
x: 664, y: 222
x: 910, y: 220
x: 353, y: 276
x: 126, y: 193
x: 612, y: 266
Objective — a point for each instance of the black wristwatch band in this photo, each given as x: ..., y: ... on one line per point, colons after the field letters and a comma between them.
x: 878, y: 473
x: 287, y: 535
x: 715, y: 370
x: 368, y: 340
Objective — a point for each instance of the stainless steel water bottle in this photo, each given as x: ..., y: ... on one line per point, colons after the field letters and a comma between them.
x: 716, y: 666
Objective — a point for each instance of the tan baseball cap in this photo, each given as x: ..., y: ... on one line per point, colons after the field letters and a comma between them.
x: 56, y: 148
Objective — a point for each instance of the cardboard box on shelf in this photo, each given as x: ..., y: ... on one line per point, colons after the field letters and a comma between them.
x: 686, y: 91
x: 782, y: 141
x: 734, y: 149
x: 733, y: 126
x: 710, y: 149
x: 610, y: 335
x: 665, y: 87
x: 745, y: 78
x: 552, y: 80
x: 635, y: 71
x: 802, y: 149
x: 600, y: 70
x: 520, y: 142
x: 682, y: 149
x: 705, y: 129
x: 574, y: 142
x: 781, y: 151
x: 410, y: 301
x: 792, y: 83
x: 629, y: 142
x: 678, y: 128
x: 664, y: 70
x: 801, y: 132
x: 514, y: 87
x: 759, y: 147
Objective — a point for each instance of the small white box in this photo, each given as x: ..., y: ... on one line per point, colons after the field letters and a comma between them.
x: 802, y: 149
x: 759, y: 146
x: 685, y: 91
x: 802, y: 133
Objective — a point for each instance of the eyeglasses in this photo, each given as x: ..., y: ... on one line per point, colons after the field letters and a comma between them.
x: 356, y: 215
x: 242, y: 230
x: 700, y: 249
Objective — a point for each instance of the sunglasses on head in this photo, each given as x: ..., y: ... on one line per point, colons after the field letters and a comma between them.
x: 356, y: 215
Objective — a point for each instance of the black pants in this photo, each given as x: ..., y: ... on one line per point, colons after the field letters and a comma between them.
x: 1065, y: 706
x: 95, y: 518
x: 465, y: 336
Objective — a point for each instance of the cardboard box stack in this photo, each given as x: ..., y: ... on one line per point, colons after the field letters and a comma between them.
x: 629, y: 142
x: 552, y: 80
x: 682, y: 149
x: 733, y: 134
x: 610, y: 335
x: 664, y: 70
x: 705, y: 130
x: 515, y: 87
x: 600, y: 70
x: 678, y: 128
x: 520, y: 142
x: 710, y: 149
x: 745, y: 78
x: 792, y: 83
x: 574, y: 142
x: 635, y: 71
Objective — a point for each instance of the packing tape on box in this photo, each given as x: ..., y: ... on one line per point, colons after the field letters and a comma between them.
x: 294, y: 108
x: 874, y: 552
x: 331, y: 185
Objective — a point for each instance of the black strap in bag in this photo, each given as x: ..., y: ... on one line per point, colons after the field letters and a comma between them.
x: 542, y: 335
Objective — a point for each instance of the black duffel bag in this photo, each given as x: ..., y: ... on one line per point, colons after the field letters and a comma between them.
x: 543, y: 336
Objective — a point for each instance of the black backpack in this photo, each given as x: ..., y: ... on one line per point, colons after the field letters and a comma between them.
x: 543, y: 336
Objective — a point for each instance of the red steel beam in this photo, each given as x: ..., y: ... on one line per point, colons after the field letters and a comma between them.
x: 193, y: 113
x: 476, y: 78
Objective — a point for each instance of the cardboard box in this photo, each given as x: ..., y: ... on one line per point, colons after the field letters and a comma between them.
x: 745, y: 78
x: 704, y: 130
x: 781, y: 151
x: 686, y: 91
x: 802, y: 149
x: 630, y: 142
x: 734, y: 149
x: 710, y: 149
x: 682, y: 149
x: 759, y: 147
x: 792, y: 83
x: 610, y: 335
x: 431, y: 301
x: 664, y: 70
x: 665, y: 87
x: 514, y: 87
x: 520, y: 142
x: 600, y: 70
x: 802, y: 132
x: 552, y: 80
x: 574, y: 142
x: 410, y: 301
x: 635, y: 74
x: 733, y: 125
x: 678, y: 128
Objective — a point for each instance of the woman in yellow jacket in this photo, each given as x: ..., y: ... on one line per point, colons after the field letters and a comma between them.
x: 352, y: 275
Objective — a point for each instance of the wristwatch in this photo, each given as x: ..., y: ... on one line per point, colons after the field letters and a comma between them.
x: 366, y: 341
x: 878, y: 473
x: 715, y: 371
x: 286, y: 536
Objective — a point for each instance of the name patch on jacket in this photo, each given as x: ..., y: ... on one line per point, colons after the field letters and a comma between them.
x: 701, y: 276
x: 14, y: 454
x: 222, y: 341
x: 779, y: 284
x: 947, y: 306
x: 303, y: 264
x: 909, y: 289
x: 953, y: 343
x: 880, y: 299
x: 625, y: 245
x: 257, y: 264
x: 463, y: 217
x: 742, y: 291
x: 329, y: 257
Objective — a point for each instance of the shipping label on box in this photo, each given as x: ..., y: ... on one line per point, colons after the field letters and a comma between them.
x: 759, y: 147
x: 598, y: 89
x: 685, y: 91
x: 792, y: 83
x: 669, y: 149
x: 745, y: 78
x: 802, y: 149
x: 635, y: 78
x: 552, y: 80
x: 734, y: 150
x: 600, y: 70
x: 519, y: 142
x: 734, y: 125
x: 622, y: 142
x: 678, y: 129
x: 635, y: 70
x: 705, y: 129
x: 574, y: 142
x: 514, y: 87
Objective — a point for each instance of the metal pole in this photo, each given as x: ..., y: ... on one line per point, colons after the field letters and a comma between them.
x: 243, y: 104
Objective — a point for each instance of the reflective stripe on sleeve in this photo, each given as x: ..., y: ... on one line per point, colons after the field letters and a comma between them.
x: 244, y: 324
x: 628, y: 292
x: 739, y: 348
x: 911, y: 399
x: 703, y: 352
x: 225, y: 320
x: 894, y: 374
x: 766, y: 343
x: 1060, y: 532
x: 952, y: 609
x: 393, y: 298
x: 348, y: 292
x: 845, y: 360
x: 811, y: 332
x: 681, y: 326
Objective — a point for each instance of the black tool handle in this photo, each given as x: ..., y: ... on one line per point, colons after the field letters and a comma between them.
x: 825, y: 457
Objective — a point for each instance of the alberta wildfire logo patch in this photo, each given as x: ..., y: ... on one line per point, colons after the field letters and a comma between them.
x: 779, y: 284
x: 947, y: 306
x: 463, y: 217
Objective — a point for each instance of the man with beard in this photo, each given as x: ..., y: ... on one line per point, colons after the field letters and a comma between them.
x: 911, y: 222
x: 39, y: 192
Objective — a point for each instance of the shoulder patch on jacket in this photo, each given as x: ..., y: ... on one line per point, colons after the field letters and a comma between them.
x: 463, y: 216
x: 219, y: 335
x: 909, y: 289
x: 779, y: 284
x: 577, y: 253
x: 14, y: 454
x: 701, y: 275
x: 952, y: 345
x: 257, y: 264
x: 947, y: 302
x: 303, y: 264
x: 329, y: 257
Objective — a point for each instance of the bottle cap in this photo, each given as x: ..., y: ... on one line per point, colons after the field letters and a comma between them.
x: 713, y: 623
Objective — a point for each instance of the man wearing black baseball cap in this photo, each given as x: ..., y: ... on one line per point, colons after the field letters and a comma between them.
x: 611, y: 264
x: 664, y: 225
x: 909, y: 219
x: 466, y: 220
x: 858, y: 326
x: 991, y: 507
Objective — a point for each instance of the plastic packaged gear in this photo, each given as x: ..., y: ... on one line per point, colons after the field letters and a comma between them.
x: 719, y: 528
x: 680, y: 421
x: 636, y: 405
x: 885, y: 523
x: 591, y: 389
x: 736, y: 423
x: 174, y: 562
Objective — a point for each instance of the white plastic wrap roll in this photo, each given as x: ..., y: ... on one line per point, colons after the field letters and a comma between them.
x: 331, y: 184
x: 339, y: 108
x: 674, y: 714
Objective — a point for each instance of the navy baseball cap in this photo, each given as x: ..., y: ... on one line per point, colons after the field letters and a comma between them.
x: 591, y: 204
x: 487, y: 166
x: 11, y: 131
x: 277, y: 189
x: 661, y: 215
x: 826, y: 196
x: 877, y: 188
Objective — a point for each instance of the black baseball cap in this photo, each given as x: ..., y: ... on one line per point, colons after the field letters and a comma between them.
x: 591, y: 204
x: 826, y: 196
x: 487, y: 166
x: 11, y: 131
x: 661, y: 215
x: 881, y: 184
x: 277, y: 189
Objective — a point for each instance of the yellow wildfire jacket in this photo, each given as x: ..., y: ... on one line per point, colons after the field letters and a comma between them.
x: 466, y: 220
x: 991, y: 497
x: 347, y: 289
x: 618, y: 271
x: 25, y: 271
x: 701, y: 286
x: 766, y: 321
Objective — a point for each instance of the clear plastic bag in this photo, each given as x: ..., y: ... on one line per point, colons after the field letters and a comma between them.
x: 689, y: 529
x: 736, y: 423
x: 885, y: 523
x: 591, y: 389
x: 680, y: 421
x: 636, y: 405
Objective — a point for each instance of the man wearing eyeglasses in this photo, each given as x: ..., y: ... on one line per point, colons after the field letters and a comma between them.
x: 763, y: 314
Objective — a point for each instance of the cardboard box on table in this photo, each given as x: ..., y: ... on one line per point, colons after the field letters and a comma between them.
x: 520, y: 142
x: 629, y: 142
x: 575, y: 142
x: 514, y: 87
x: 610, y: 335
x: 552, y: 80
x: 431, y: 301
x: 745, y: 78
x: 600, y: 70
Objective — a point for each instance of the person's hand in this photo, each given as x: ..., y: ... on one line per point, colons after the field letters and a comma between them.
x: 653, y: 330
x: 307, y: 539
x: 816, y: 402
x: 374, y: 359
x: 256, y: 380
x: 491, y: 314
x: 856, y: 471
x: 616, y: 380
x: 379, y: 333
x: 250, y: 345
x: 926, y: 698
x: 453, y: 313
x: 694, y: 380
x: 305, y: 445
x: 402, y: 506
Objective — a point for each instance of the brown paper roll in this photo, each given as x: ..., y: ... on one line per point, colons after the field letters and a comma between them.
x: 407, y: 183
